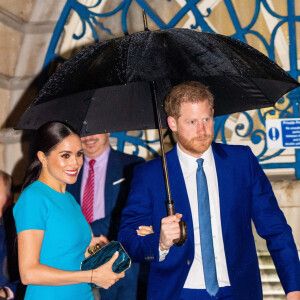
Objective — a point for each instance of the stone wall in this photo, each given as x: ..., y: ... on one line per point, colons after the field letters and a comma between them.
x: 26, y: 28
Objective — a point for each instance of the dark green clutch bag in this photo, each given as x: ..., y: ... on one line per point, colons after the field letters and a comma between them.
x: 103, y: 255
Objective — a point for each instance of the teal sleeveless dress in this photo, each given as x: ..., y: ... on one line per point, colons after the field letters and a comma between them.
x: 66, y: 237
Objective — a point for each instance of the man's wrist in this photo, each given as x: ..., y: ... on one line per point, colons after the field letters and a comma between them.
x: 162, y: 247
x: 162, y: 254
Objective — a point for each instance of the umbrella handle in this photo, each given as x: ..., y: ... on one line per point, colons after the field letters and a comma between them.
x: 169, y: 203
x: 182, y: 225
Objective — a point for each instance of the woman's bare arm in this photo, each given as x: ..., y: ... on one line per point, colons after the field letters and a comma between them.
x: 34, y: 273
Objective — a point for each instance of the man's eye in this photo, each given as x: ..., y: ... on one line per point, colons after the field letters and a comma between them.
x: 192, y: 122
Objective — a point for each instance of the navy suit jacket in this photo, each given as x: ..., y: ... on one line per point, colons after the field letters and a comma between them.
x: 245, y: 194
x: 120, y: 166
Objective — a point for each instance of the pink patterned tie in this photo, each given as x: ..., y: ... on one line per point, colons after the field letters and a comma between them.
x: 88, y: 195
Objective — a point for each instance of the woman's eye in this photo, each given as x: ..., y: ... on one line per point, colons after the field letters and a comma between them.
x: 79, y: 154
x: 65, y: 155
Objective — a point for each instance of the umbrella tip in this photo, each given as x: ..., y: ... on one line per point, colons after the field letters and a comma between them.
x: 145, y: 21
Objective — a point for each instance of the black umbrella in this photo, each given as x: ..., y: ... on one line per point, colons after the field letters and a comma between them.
x: 240, y: 77
x: 110, y: 86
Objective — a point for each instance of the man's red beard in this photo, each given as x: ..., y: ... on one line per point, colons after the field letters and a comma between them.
x: 197, y: 145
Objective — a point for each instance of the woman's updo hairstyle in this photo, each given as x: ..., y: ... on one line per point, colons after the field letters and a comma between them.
x: 47, y: 137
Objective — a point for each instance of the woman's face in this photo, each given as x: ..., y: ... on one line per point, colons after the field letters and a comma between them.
x: 64, y: 162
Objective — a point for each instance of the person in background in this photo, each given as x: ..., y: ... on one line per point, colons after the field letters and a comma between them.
x: 102, y: 201
x: 8, y: 251
x: 53, y: 234
x: 217, y: 190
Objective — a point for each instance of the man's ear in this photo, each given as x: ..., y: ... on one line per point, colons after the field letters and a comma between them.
x: 172, y: 123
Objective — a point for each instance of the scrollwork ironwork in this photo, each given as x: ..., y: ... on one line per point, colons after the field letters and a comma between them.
x: 257, y: 136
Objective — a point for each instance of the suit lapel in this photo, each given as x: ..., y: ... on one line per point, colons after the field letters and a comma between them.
x: 225, y: 190
x: 111, y: 174
x: 178, y: 191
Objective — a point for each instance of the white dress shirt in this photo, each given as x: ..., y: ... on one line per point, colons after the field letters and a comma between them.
x: 189, y: 165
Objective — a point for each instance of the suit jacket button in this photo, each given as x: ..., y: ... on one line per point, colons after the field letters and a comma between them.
x: 188, y: 262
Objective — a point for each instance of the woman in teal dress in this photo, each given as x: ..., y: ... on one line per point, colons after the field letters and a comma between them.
x: 53, y: 234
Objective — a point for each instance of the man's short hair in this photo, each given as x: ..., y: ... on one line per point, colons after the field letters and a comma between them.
x: 192, y: 91
x: 7, y: 183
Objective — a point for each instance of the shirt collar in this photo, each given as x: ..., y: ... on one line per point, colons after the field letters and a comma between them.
x: 189, y: 162
x: 100, y: 159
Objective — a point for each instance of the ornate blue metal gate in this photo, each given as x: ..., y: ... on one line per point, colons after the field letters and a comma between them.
x: 255, y: 131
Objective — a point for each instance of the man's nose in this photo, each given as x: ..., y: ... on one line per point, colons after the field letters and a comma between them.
x: 201, y: 128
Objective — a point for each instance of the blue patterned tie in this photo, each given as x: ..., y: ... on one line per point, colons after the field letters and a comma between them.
x: 207, y: 248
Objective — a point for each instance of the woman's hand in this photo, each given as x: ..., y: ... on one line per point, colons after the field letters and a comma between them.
x: 104, y: 276
x: 101, y: 240
x: 145, y: 230
x: 33, y: 272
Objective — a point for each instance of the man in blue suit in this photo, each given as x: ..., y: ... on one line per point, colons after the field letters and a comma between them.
x: 218, y: 259
x: 112, y: 175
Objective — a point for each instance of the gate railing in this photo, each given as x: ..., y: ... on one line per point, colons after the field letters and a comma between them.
x: 249, y: 127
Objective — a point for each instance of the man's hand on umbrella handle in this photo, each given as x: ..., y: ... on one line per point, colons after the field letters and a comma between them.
x: 169, y: 231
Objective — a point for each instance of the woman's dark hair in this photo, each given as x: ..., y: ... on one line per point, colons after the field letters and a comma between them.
x: 46, y: 139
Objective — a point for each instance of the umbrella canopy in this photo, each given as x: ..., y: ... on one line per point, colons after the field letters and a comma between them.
x: 109, y: 109
x: 106, y: 87
x: 120, y: 84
